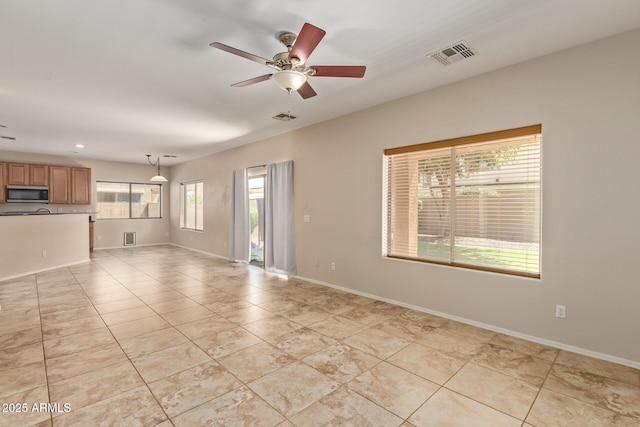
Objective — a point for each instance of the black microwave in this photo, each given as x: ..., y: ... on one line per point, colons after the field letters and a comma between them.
x: 27, y: 194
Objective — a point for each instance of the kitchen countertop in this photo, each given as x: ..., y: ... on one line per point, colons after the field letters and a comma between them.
x: 34, y: 213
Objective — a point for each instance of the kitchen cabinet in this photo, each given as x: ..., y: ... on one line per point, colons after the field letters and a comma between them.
x: 69, y: 185
x: 3, y: 183
x: 18, y: 174
x: 80, y: 186
x: 66, y: 184
x: 27, y: 174
x: 59, y: 184
x: 39, y: 175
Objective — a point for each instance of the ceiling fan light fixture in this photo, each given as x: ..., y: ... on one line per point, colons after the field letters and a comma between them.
x: 289, y: 80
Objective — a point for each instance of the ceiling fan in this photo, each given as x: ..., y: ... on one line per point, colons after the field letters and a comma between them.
x: 291, y: 71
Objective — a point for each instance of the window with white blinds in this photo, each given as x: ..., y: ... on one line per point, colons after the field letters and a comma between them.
x: 470, y: 202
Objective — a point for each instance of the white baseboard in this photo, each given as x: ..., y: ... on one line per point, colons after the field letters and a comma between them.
x: 131, y: 247
x: 54, y: 267
x: 543, y: 341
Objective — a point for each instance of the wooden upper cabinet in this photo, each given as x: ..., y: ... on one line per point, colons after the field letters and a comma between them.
x: 80, y: 186
x: 18, y: 174
x: 66, y: 184
x: 59, y: 185
x: 3, y: 183
x: 39, y: 175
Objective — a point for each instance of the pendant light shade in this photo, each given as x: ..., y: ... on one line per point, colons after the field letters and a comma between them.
x: 159, y: 178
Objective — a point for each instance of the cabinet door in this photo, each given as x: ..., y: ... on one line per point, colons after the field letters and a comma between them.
x: 3, y: 183
x: 60, y: 184
x: 39, y: 175
x: 80, y: 186
x: 18, y: 174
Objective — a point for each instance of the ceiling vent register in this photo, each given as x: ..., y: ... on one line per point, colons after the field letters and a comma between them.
x: 284, y: 117
x: 454, y: 53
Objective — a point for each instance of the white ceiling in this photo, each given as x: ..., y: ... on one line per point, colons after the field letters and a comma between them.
x: 128, y: 78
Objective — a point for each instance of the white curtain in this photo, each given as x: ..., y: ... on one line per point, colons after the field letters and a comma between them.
x: 280, y: 245
x: 240, y: 238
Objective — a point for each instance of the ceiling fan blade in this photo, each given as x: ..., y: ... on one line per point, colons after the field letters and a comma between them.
x: 306, y: 42
x: 306, y: 91
x: 241, y: 53
x: 252, y: 81
x: 356, y: 71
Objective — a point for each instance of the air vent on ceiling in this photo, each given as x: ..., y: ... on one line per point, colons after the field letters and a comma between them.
x: 284, y: 117
x: 454, y: 53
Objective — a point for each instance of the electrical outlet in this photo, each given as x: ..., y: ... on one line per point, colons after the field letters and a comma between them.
x: 99, y: 237
x: 333, y: 266
x: 44, y: 254
x: 561, y: 311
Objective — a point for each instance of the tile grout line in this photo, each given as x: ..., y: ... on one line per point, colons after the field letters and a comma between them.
x: 44, y: 355
x: 125, y: 354
x: 541, y: 386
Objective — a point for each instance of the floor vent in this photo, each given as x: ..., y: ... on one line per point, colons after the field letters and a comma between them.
x: 454, y: 53
x: 129, y: 238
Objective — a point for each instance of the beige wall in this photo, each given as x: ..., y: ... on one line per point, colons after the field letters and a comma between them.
x: 107, y: 233
x: 40, y: 242
x: 215, y: 172
x: 586, y: 99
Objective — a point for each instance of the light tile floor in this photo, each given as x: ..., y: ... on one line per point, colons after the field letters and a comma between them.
x: 165, y: 336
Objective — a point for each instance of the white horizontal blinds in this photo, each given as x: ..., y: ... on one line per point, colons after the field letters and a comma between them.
x: 497, y: 191
x: 472, y: 204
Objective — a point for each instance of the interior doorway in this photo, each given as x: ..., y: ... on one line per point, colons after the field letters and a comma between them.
x: 256, y: 180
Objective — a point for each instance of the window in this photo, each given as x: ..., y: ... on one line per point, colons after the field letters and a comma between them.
x: 119, y: 200
x: 468, y: 202
x: 192, y: 206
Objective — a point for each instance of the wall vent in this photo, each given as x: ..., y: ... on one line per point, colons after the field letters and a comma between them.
x: 129, y: 238
x: 454, y: 53
x: 284, y: 117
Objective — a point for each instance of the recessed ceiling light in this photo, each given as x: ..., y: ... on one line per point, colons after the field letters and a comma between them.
x: 79, y: 146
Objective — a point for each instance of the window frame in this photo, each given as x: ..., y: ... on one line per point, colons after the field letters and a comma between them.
x: 183, y: 205
x: 130, y: 184
x: 452, y: 143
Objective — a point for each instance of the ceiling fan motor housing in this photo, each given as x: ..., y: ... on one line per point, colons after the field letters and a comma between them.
x: 281, y: 61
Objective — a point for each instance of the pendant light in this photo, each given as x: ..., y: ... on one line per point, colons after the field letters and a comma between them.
x: 158, y: 177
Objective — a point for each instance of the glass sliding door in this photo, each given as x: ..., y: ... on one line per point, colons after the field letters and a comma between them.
x: 256, y: 214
